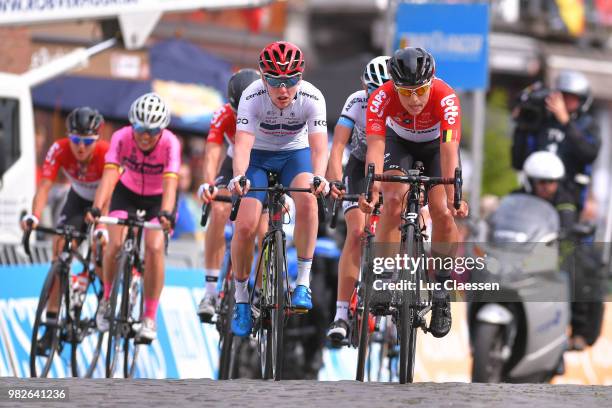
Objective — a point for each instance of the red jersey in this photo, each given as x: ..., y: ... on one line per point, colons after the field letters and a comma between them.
x: 440, y: 118
x: 223, y: 126
x: 83, y: 179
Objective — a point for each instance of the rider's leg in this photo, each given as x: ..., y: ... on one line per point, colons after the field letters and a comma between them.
x: 387, y: 231
x: 154, y: 271
x: 444, y: 241
x: 306, y: 227
x: 243, y: 245
x: 262, y: 228
x: 116, y: 235
x: 348, y: 266
x: 214, y: 243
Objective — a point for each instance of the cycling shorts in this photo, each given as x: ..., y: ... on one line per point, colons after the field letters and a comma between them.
x: 354, y: 179
x: 400, y: 154
x: 73, y: 212
x: 226, y: 172
x: 125, y: 201
x: 287, y: 164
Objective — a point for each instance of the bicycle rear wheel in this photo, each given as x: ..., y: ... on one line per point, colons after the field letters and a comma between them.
x: 408, y: 312
x: 118, y: 316
x: 40, y: 365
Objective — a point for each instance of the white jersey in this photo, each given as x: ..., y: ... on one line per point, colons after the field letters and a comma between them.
x: 355, y: 111
x: 281, y: 129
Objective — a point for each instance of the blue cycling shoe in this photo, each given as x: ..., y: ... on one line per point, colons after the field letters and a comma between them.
x: 302, y: 298
x: 242, y: 323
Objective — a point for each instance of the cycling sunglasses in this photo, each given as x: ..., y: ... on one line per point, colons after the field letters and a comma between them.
x: 138, y: 128
x: 86, y: 140
x: 286, y: 81
x: 420, y: 91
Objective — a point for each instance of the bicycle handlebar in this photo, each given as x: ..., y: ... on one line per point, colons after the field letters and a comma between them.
x: 321, y: 201
x: 334, y: 213
x: 206, y: 206
x: 457, y: 181
x: 129, y: 222
x: 67, y: 231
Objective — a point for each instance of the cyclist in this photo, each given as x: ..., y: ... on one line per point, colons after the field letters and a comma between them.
x: 81, y: 158
x: 351, y: 126
x: 417, y: 117
x: 150, y: 156
x: 223, y: 126
x: 281, y: 127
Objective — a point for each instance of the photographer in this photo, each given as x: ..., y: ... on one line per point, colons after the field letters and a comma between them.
x: 558, y: 121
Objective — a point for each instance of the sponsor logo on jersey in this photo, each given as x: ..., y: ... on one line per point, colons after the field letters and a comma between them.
x: 242, y: 121
x: 52, y: 153
x: 322, y: 123
x: 302, y: 93
x: 258, y: 93
x: 376, y: 127
x: 354, y: 101
x: 451, y: 110
x: 377, y: 102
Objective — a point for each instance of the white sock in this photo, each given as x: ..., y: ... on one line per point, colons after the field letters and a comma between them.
x: 212, y: 276
x: 303, y: 277
x: 242, y: 291
x: 341, y: 311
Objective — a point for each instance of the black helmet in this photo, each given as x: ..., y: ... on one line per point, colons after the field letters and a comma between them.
x: 84, y: 121
x: 238, y: 83
x: 411, y: 67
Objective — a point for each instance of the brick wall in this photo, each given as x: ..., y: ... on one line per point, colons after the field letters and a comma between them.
x: 15, y: 50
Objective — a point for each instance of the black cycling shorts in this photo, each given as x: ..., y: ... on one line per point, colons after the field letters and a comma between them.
x: 226, y: 173
x: 401, y: 154
x: 125, y: 199
x: 354, y: 179
x: 73, y: 212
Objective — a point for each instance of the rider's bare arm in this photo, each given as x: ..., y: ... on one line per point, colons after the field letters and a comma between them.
x: 107, y: 184
x: 40, y: 198
x: 342, y: 134
x: 376, y: 155
x: 169, y: 185
x: 242, y: 152
x: 212, y: 158
x: 318, y: 152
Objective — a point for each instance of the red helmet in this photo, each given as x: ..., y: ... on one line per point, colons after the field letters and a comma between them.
x: 281, y: 58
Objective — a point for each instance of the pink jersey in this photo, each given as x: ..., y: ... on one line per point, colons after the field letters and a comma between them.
x: 143, y: 173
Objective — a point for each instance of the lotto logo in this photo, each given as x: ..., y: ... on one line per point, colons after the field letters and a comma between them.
x: 376, y: 127
x: 451, y: 111
x: 242, y: 121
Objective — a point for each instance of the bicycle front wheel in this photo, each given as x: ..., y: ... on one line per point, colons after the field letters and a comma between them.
x: 278, y: 311
x: 363, y: 308
x: 408, y: 312
x: 86, y: 340
x: 47, y: 341
x: 226, y: 340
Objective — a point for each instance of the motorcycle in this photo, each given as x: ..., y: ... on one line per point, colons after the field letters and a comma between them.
x: 518, y: 333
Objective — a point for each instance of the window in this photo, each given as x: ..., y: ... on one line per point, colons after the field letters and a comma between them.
x: 9, y: 133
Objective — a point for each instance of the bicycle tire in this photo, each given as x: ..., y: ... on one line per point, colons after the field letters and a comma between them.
x: 56, y: 343
x: 226, y: 338
x: 265, y: 299
x: 407, y: 329
x: 134, y: 308
x: 278, y: 312
x: 363, y: 322
x: 82, y: 329
x: 114, y: 335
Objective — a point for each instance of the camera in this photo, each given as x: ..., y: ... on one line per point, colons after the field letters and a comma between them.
x: 533, y: 113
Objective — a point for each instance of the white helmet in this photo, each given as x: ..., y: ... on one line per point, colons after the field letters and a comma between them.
x: 574, y: 82
x: 542, y: 165
x: 375, y: 73
x: 150, y: 111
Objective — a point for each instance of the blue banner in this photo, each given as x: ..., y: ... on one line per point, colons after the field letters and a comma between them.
x: 455, y: 34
